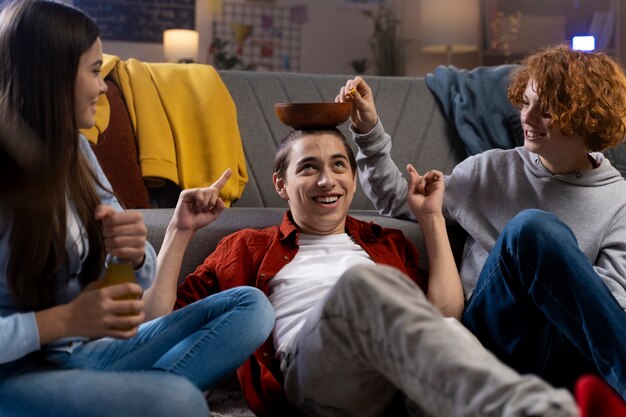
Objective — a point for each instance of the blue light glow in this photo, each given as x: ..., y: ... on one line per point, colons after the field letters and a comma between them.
x: 584, y: 43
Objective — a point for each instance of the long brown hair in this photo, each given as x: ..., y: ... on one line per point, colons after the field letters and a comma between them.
x: 41, y: 43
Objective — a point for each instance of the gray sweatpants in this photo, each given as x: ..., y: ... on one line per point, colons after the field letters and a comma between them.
x: 375, y: 334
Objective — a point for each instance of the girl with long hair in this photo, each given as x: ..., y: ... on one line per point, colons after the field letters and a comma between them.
x: 70, y: 346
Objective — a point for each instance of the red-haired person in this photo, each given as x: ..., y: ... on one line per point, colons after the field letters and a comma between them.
x: 544, y: 265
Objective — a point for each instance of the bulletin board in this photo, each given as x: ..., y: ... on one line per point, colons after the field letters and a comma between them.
x: 139, y: 20
x: 262, y: 37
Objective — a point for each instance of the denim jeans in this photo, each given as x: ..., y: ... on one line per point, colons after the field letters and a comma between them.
x: 160, y: 372
x: 540, y: 306
x: 375, y: 334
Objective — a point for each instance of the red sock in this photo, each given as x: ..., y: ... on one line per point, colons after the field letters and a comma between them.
x: 596, y: 398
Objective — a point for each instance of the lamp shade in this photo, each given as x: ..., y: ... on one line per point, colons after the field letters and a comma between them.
x: 180, y: 45
x: 450, y: 25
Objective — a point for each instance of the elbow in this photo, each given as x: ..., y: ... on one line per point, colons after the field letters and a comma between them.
x: 454, y: 312
x: 449, y: 308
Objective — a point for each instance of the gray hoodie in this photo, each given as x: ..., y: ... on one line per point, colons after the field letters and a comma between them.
x: 486, y: 190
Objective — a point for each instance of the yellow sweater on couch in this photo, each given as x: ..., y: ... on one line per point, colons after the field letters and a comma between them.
x: 185, y: 122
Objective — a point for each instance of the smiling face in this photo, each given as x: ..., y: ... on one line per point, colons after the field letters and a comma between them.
x: 537, y: 132
x: 559, y: 153
x: 318, y: 184
x: 89, y: 85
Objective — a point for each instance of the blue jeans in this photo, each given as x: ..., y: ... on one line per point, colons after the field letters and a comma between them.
x: 160, y: 372
x: 540, y: 306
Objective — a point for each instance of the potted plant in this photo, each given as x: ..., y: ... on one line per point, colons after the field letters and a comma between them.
x: 385, y: 41
x: 221, y: 58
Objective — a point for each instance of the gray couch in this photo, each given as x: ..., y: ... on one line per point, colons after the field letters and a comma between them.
x: 408, y: 110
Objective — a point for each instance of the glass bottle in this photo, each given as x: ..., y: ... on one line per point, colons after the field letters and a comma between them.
x: 120, y: 271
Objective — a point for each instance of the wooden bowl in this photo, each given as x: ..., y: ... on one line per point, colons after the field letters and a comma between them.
x: 313, y: 115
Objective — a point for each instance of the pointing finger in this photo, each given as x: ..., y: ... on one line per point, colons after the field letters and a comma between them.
x: 221, y: 182
x: 413, y: 177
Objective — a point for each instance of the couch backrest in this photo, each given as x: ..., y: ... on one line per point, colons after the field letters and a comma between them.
x: 233, y: 219
x: 405, y: 105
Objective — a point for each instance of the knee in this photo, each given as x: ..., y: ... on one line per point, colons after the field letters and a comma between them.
x: 375, y: 284
x: 249, y: 297
x: 537, y: 228
x: 255, y: 308
x: 257, y: 303
x: 182, y: 399
x: 363, y: 278
x: 532, y: 219
x: 372, y: 277
x: 172, y: 395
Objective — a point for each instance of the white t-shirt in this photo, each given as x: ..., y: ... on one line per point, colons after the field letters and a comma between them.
x: 298, y: 287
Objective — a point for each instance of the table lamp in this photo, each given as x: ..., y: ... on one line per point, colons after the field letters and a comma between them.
x: 450, y: 26
x: 181, y: 45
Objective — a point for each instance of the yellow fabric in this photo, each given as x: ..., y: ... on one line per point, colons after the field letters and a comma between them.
x: 185, y: 122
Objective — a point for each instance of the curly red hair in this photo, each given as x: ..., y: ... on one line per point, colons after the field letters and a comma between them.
x: 584, y: 93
